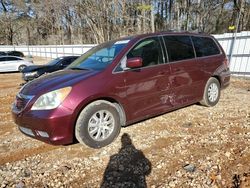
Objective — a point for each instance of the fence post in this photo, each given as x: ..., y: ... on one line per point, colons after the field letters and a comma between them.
x: 51, y: 52
x: 28, y: 50
x: 56, y: 52
x: 234, y: 38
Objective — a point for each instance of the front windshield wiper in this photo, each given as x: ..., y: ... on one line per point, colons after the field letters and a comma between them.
x: 78, y: 68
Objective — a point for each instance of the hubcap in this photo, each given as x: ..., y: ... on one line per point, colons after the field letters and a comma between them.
x: 21, y: 68
x: 213, y: 92
x: 101, y: 125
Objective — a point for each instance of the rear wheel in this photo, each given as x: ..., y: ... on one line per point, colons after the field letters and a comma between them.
x: 21, y: 67
x: 98, y: 124
x: 211, y: 94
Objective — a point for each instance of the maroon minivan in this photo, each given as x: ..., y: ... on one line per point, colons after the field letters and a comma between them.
x: 121, y: 82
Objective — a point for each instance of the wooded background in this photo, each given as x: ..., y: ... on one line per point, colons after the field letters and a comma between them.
x: 36, y: 22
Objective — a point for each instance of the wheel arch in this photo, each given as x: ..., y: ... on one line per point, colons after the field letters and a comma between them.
x: 218, y: 78
x: 18, y: 66
x: 115, y: 102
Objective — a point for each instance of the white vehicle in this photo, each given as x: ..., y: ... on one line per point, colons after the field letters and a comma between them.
x: 13, y: 63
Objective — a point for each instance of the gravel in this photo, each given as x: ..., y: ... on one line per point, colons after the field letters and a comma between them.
x: 190, y: 147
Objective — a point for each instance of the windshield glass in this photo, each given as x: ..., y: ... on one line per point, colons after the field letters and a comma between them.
x: 99, y: 57
x: 54, y: 61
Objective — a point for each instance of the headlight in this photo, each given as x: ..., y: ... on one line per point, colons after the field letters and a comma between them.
x: 30, y: 73
x: 51, y: 100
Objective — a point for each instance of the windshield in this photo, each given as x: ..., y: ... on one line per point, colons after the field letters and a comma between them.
x: 99, y: 57
x: 54, y: 61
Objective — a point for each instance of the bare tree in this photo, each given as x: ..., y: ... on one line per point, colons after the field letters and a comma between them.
x: 95, y: 21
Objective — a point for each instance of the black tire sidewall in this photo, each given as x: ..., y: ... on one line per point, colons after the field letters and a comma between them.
x: 211, y: 81
x: 82, y: 125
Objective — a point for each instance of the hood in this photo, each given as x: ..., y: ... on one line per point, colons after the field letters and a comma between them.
x: 56, y: 80
x: 33, y: 68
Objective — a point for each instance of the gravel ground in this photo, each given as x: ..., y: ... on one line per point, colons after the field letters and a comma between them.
x: 191, y: 147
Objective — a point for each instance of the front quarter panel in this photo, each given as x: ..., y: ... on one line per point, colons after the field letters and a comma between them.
x: 101, y: 86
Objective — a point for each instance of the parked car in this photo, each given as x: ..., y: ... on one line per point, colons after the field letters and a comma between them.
x: 32, y: 72
x: 15, y: 53
x: 12, y: 63
x: 3, y: 54
x: 119, y: 83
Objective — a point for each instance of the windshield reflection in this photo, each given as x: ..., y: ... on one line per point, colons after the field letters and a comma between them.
x: 99, y: 57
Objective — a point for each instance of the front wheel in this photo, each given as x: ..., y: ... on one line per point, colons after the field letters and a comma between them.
x: 21, y: 67
x: 98, y: 124
x: 211, y: 94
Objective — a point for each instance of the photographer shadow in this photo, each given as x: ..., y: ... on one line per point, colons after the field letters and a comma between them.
x: 128, y: 168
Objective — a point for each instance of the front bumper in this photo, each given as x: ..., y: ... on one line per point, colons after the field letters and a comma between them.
x: 51, y: 126
x: 29, y: 77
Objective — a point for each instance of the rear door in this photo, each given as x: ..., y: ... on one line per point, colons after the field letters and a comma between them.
x: 209, y: 57
x: 184, y: 70
x: 12, y: 63
x: 2, y: 64
x: 146, y: 86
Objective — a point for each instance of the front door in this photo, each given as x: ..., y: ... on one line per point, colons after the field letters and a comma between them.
x: 146, y: 87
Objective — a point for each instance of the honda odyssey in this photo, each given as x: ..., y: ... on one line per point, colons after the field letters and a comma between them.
x: 121, y: 82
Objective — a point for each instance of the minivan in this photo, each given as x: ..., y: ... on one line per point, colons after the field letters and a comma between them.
x: 121, y: 82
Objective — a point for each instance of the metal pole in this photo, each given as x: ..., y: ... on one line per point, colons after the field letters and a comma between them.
x: 235, y: 37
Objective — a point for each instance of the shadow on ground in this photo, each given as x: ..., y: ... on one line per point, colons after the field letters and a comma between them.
x: 128, y: 168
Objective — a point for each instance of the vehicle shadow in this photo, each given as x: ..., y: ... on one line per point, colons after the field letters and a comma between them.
x: 10, y: 72
x: 128, y: 168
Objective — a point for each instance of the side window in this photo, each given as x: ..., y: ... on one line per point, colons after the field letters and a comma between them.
x: 66, y: 62
x: 179, y: 47
x: 205, y: 46
x: 11, y: 59
x: 2, y: 59
x: 149, y: 50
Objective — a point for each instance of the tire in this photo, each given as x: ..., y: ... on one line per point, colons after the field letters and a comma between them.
x: 90, y: 131
x: 21, y: 67
x: 211, y: 94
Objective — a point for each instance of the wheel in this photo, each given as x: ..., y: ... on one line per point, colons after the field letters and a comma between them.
x: 98, y: 124
x: 211, y: 94
x: 21, y: 67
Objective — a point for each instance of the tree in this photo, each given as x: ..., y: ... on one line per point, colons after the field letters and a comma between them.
x: 96, y: 21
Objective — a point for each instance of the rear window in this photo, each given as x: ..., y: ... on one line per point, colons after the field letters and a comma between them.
x: 179, y: 47
x: 205, y: 46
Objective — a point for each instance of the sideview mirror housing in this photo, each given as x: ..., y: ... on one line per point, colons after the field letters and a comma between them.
x: 134, y: 62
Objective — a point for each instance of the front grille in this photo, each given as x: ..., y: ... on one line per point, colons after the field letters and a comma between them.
x: 21, y: 101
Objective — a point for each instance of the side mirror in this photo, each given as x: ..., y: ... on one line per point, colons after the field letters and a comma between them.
x: 135, y: 62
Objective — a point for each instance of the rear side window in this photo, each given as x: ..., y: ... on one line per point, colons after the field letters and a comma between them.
x: 66, y: 62
x: 179, y: 47
x: 205, y: 46
x: 12, y: 58
x: 2, y: 59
